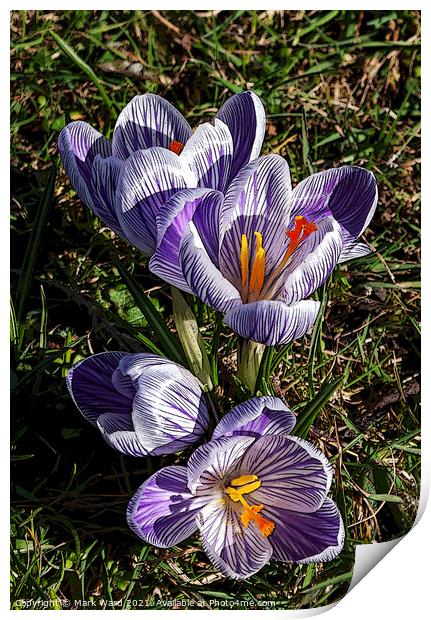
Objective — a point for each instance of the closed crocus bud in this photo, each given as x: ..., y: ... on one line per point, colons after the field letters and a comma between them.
x: 191, y: 339
x: 142, y: 404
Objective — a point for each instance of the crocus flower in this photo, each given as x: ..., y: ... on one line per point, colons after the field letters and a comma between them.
x: 257, y: 253
x: 142, y: 404
x: 254, y: 492
x: 153, y: 154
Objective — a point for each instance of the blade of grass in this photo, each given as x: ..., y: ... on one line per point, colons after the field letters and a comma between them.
x: 32, y: 250
x: 306, y: 418
x: 73, y: 56
x: 170, y: 346
x: 43, y: 335
x: 263, y: 379
x: 215, y: 348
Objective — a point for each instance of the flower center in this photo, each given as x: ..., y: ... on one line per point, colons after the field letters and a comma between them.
x: 176, y: 147
x: 253, y: 279
x: 240, y: 487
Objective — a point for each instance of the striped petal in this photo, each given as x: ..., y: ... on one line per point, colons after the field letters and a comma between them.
x: 105, y: 175
x: 120, y: 438
x: 93, y: 391
x: 261, y: 415
x: 244, y: 114
x: 203, y: 277
x: 162, y: 512
x: 133, y: 365
x: 149, y: 179
x: 237, y: 551
x: 209, y: 155
x: 353, y: 250
x: 307, y: 537
x: 349, y: 194
x: 147, y: 121
x: 172, y: 220
x: 212, y: 463
x: 257, y: 201
x: 79, y: 144
x: 169, y: 409
x: 294, y: 475
x: 272, y: 322
x: 312, y: 263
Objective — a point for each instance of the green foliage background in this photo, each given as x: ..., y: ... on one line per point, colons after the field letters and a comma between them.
x: 339, y: 87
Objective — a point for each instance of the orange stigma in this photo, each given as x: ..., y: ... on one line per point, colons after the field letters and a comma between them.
x: 248, y: 484
x: 303, y: 228
x: 253, y: 277
x: 251, y: 514
x: 176, y: 147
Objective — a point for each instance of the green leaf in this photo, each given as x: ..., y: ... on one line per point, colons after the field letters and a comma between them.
x: 169, y: 345
x: 306, y: 418
x: 43, y: 333
x: 28, y: 265
x: 70, y: 52
x: 264, y: 375
x: 384, y: 497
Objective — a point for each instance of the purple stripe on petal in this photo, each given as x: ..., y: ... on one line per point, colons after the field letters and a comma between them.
x: 147, y: 121
x: 307, y: 537
x: 150, y: 178
x: 261, y: 415
x: 172, y: 220
x: 244, y: 114
x: 124, y: 441
x: 212, y: 463
x: 162, y: 512
x: 135, y: 364
x: 312, y: 263
x: 105, y: 176
x: 353, y: 250
x: 348, y: 193
x: 169, y: 409
x: 209, y: 155
x: 237, y: 551
x: 272, y: 322
x: 202, y: 276
x: 294, y: 475
x: 79, y: 144
x: 257, y: 201
x: 207, y: 222
x: 90, y: 385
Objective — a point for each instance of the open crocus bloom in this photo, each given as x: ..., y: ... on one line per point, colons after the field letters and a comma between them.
x: 153, y: 154
x: 143, y: 404
x: 254, y: 492
x: 258, y: 252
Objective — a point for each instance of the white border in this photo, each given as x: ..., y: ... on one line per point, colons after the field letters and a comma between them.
x: 399, y: 583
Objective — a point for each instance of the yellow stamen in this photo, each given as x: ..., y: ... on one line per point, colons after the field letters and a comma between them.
x: 244, y: 259
x: 248, y: 484
x: 237, y: 482
x: 236, y: 494
x: 257, y: 277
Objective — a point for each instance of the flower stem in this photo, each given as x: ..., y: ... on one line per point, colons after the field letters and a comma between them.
x: 249, y: 358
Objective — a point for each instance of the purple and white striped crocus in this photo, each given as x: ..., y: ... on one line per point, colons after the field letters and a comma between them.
x: 142, y: 404
x: 153, y: 154
x: 254, y: 492
x: 258, y: 252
